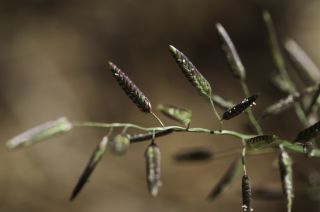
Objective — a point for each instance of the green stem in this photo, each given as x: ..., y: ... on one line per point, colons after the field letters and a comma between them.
x: 313, y: 101
x: 251, y: 116
x: 174, y: 128
x: 281, y: 66
x: 214, y: 109
x: 286, y: 144
x: 158, y: 119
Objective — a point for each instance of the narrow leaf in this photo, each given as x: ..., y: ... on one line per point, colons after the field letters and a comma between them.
x: 261, y: 141
x: 191, y: 73
x: 153, y: 169
x: 226, y: 180
x: 40, y: 133
x: 307, y: 70
x: 194, y: 155
x: 94, y: 160
x: 132, y: 91
x: 286, y: 175
x: 231, y: 53
x: 239, y: 108
x: 176, y: 113
x: 120, y: 144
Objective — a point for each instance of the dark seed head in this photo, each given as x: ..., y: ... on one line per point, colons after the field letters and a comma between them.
x: 94, y: 160
x: 239, y: 108
x: 308, y: 133
x: 132, y: 91
x: 261, y: 141
x: 246, y: 194
x: 148, y: 136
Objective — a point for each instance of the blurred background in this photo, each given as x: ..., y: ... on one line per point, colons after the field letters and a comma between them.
x: 53, y: 56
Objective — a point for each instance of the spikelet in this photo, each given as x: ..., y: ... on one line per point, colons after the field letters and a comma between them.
x: 279, y: 83
x: 226, y: 179
x: 148, y: 136
x: 287, y: 102
x: 274, y: 44
x: 307, y: 70
x: 261, y: 141
x: 176, y: 113
x: 153, y: 169
x: 94, y: 160
x: 239, y: 108
x: 120, y: 144
x: 285, y: 168
x: 132, y: 91
x: 40, y: 133
x: 308, y: 133
x: 231, y: 53
x: 246, y: 194
x: 191, y: 72
x: 222, y: 103
x: 194, y: 155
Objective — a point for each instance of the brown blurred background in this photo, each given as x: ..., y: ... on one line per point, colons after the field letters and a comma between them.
x: 53, y: 56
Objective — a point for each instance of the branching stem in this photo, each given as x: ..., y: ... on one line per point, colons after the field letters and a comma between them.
x: 286, y: 144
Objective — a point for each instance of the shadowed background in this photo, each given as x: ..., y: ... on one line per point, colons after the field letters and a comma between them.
x: 53, y: 58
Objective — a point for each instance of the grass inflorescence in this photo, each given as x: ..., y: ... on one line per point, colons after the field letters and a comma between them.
x: 306, y: 105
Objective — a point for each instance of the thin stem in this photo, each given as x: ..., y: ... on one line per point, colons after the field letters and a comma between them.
x: 158, y: 119
x: 313, y: 101
x: 251, y: 116
x: 173, y: 128
x: 286, y: 144
x: 214, y: 110
x: 124, y: 130
x: 243, y: 157
x: 281, y: 66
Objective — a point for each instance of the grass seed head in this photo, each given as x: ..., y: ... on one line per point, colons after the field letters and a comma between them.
x: 132, y: 91
x: 40, y: 133
x: 153, y: 169
x: 191, y: 73
x: 239, y: 108
x: 93, y: 161
x: 231, y: 53
x: 246, y: 194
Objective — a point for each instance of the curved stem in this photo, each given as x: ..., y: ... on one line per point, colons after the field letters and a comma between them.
x: 251, y: 116
x: 286, y: 144
x: 158, y: 119
x: 150, y: 129
x: 214, y: 109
